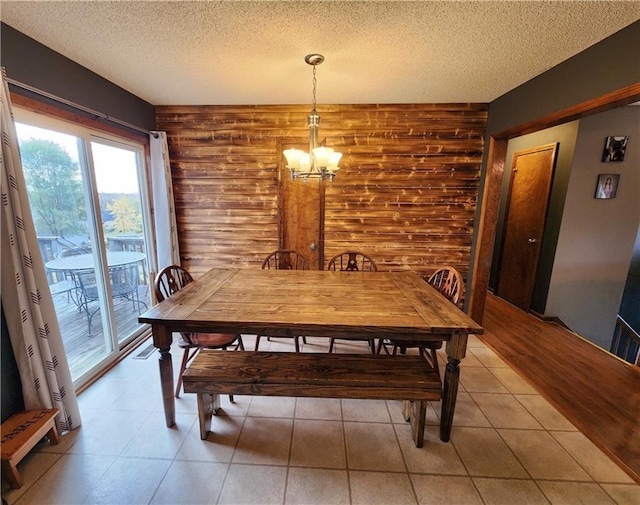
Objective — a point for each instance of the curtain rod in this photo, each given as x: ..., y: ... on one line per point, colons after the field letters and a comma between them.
x: 79, y: 107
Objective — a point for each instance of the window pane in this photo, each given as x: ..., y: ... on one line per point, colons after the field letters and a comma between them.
x: 116, y: 171
x: 52, y: 170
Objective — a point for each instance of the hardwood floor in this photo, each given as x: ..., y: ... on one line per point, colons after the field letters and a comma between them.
x: 597, y: 392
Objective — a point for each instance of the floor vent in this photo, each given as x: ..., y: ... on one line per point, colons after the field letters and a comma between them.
x: 145, y: 353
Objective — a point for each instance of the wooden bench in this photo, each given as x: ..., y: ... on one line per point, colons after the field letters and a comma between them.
x: 20, y: 433
x: 361, y: 376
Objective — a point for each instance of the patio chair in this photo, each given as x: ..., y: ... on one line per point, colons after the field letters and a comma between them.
x: 64, y: 280
x: 170, y: 280
x: 124, y: 280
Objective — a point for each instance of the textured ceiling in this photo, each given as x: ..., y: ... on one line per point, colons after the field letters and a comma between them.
x: 242, y: 52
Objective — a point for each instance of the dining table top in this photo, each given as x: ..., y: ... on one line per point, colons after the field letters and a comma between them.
x: 314, y: 303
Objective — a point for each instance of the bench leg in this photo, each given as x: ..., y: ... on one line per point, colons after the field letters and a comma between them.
x: 53, y: 435
x: 418, y: 415
x: 11, y: 474
x: 208, y: 405
x: 406, y: 410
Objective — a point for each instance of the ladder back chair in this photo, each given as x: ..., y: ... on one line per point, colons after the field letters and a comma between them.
x: 352, y: 261
x: 284, y: 259
x: 170, y: 280
x: 448, y: 281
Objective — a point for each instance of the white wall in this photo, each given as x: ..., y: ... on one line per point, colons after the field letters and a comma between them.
x: 597, y: 236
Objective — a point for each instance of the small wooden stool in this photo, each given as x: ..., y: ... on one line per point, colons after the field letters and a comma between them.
x: 20, y: 433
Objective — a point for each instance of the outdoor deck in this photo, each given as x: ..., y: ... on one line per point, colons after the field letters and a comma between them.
x: 84, y: 348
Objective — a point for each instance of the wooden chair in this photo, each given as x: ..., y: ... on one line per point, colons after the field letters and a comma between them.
x: 352, y: 261
x: 448, y: 281
x: 170, y: 280
x: 284, y: 259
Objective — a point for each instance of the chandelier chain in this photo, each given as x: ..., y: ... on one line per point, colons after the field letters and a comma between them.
x: 315, y: 82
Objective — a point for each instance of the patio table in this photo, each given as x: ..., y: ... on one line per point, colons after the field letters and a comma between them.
x: 81, y: 284
x: 85, y: 261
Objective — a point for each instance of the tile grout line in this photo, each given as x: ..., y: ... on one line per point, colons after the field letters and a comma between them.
x: 402, y: 455
x: 497, y: 430
x: 235, y: 446
x: 346, y: 453
x: 293, y: 427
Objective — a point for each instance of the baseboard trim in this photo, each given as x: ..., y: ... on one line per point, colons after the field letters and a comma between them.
x: 550, y: 319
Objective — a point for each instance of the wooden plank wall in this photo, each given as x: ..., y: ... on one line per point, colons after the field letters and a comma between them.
x: 406, y: 192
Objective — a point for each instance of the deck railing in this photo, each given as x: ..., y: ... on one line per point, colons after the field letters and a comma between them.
x: 626, y: 342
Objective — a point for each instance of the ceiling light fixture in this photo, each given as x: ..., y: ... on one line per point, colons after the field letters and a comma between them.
x: 319, y: 162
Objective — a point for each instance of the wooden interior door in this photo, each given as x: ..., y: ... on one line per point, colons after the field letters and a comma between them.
x: 529, y: 190
x: 301, y: 212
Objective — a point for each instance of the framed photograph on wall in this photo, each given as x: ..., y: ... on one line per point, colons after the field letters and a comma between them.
x: 614, y: 148
x: 607, y: 186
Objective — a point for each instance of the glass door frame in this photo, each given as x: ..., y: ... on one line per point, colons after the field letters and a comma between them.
x: 71, y: 124
x: 147, y: 227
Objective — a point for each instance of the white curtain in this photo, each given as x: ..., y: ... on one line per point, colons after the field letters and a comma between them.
x: 26, y: 300
x: 166, y: 232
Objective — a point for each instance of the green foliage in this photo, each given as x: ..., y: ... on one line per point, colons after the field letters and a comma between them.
x: 54, y: 187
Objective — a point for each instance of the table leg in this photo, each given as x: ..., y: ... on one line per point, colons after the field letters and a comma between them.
x: 449, y: 395
x: 456, y: 350
x: 162, y: 340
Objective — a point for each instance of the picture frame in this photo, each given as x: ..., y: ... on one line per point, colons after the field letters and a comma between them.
x: 614, y: 149
x: 607, y: 186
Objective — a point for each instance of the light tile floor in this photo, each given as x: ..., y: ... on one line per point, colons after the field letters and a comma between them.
x: 508, y: 446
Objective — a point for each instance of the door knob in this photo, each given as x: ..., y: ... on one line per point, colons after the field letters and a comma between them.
x: 312, y: 246
x: 532, y: 241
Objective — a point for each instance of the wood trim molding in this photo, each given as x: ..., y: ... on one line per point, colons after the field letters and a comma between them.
x: 49, y: 110
x: 618, y: 98
x: 487, y: 227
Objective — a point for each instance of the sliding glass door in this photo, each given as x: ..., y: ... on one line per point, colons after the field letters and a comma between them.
x: 91, y: 214
x: 117, y: 173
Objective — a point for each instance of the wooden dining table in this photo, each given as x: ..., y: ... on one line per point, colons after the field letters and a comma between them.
x: 348, y: 305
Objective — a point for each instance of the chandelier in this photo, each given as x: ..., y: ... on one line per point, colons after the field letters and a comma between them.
x: 319, y: 162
